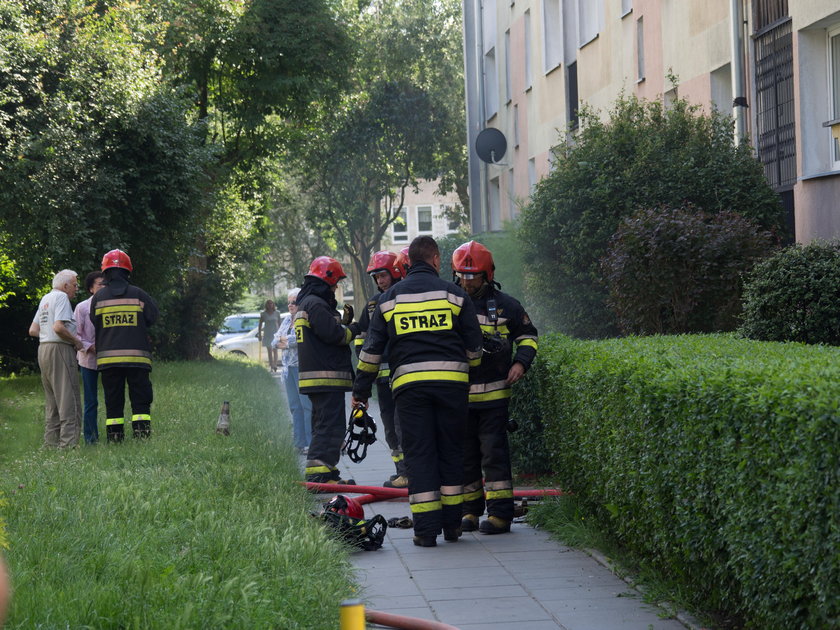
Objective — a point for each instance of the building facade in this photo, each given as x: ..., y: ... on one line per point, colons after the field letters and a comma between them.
x: 774, y: 64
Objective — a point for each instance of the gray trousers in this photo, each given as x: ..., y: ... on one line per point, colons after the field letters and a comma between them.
x: 63, y: 404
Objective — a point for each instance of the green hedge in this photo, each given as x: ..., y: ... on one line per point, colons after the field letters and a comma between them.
x: 715, y: 458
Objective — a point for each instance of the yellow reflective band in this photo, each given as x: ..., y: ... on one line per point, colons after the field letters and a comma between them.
x: 363, y: 366
x: 443, y: 375
x: 475, y: 362
x: 107, y: 360
x: 497, y: 395
x: 489, y: 328
x: 499, y: 494
x: 140, y: 416
x: 318, y: 382
x: 112, y: 421
x: 398, y: 458
x: 429, y: 506
x: 455, y: 499
x: 384, y: 373
x: 528, y: 343
x: 348, y: 335
x: 311, y: 470
x: 472, y: 496
x: 359, y: 342
x: 122, y: 308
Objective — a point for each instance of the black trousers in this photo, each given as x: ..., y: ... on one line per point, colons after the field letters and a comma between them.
x: 486, y: 450
x: 329, y: 424
x: 114, y: 380
x: 432, y: 419
x: 391, y: 425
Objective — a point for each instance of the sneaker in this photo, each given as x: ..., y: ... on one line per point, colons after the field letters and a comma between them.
x: 452, y: 535
x: 397, y: 482
x: 425, y: 541
x: 469, y: 523
x: 494, y: 525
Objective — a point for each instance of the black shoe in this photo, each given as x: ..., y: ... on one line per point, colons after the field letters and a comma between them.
x: 452, y: 535
x: 494, y: 525
x: 469, y: 523
x: 425, y: 541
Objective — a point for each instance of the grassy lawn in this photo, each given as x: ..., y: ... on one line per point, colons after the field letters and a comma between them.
x: 187, y: 530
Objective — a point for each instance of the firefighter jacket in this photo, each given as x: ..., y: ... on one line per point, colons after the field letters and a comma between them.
x: 504, y: 323
x: 431, y: 332
x: 323, y: 343
x: 122, y: 314
x: 384, y: 374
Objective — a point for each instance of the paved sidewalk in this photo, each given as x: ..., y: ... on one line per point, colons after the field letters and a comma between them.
x: 523, y: 579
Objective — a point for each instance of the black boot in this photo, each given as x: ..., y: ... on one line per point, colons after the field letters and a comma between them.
x: 142, y: 428
x: 114, y: 433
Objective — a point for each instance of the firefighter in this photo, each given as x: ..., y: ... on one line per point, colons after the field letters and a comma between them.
x: 432, y: 335
x: 325, y: 370
x: 122, y: 314
x: 385, y: 268
x: 503, y: 322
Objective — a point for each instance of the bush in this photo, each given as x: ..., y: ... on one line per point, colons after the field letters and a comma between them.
x: 795, y: 296
x: 714, y: 458
x: 528, y: 453
x: 643, y: 156
x: 678, y: 270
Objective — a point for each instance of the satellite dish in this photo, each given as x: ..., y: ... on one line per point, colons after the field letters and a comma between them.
x: 490, y: 145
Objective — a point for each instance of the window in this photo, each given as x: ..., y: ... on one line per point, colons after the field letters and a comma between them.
x: 400, y: 227
x: 511, y: 192
x: 626, y: 7
x: 495, y: 204
x: 640, y: 50
x: 532, y: 175
x: 528, y: 77
x: 447, y: 212
x: 552, y: 35
x: 424, y: 218
x: 572, y: 89
x: 589, y: 15
x: 508, y: 90
x: 516, y: 126
x: 834, y: 92
x: 491, y: 85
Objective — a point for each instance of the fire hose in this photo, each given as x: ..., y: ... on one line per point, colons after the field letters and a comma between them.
x: 377, y: 493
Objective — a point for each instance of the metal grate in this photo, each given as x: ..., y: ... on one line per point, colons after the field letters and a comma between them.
x: 775, y: 124
x: 765, y: 12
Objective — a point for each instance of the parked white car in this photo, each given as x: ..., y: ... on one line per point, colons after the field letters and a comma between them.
x: 236, y: 325
x: 246, y: 345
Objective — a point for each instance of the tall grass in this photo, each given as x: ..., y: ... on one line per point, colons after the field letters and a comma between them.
x: 189, y: 529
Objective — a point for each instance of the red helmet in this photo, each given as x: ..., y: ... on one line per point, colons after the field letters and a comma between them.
x: 473, y: 257
x: 386, y: 261
x: 402, y: 259
x: 327, y: 269
x: 346, y: 506
x: 116, y: 258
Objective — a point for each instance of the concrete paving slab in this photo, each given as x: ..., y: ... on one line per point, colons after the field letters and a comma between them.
x: 514, y: 610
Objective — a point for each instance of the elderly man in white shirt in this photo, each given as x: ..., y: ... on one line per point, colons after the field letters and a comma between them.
x: 55, y: 328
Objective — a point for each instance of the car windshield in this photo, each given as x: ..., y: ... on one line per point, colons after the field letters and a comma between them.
x: 239, y: 324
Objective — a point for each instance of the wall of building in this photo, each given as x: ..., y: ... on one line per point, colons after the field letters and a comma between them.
x: 690, y: 39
